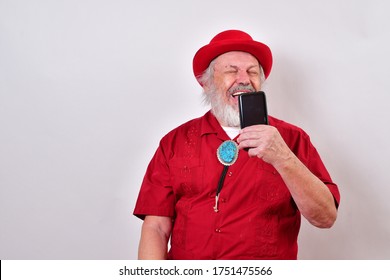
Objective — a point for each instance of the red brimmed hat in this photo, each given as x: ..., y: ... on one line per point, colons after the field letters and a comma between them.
x: 232, y: 40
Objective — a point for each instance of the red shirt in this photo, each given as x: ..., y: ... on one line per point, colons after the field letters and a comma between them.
x: 257, y: 216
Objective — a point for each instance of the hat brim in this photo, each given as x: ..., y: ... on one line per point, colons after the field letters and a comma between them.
x: 206, y: 54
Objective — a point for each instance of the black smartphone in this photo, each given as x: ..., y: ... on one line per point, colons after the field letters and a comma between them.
x: 253, y: 108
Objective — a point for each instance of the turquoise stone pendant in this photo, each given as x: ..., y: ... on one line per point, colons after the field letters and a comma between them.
x: 227, y: 152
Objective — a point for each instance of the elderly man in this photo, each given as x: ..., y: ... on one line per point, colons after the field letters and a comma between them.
x: 277, y: 175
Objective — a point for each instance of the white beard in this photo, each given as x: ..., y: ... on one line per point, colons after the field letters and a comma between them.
x: 226, y: 114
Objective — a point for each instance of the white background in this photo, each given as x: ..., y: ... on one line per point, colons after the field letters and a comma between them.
x: 88, y: 88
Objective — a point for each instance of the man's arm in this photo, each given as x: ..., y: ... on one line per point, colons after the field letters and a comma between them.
x: 311, y: 195
x: 155, y: 234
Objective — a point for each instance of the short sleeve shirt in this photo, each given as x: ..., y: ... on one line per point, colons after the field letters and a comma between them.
x: 257, y: 217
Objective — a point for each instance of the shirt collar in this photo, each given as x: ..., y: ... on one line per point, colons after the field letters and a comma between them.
x: 210, y: 125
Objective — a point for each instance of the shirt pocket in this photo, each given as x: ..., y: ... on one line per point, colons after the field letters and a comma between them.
x: 270, y: 185
x: 186, y: 176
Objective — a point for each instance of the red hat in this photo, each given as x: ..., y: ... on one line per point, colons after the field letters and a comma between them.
x: 232, y: 40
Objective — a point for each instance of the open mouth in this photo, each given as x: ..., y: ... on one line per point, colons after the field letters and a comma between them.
x: 238, y: 93
x: 235, y: 94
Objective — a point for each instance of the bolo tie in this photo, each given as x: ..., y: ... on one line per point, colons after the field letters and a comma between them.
x: 227, y: 154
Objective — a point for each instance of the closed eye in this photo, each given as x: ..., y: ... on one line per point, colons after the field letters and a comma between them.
x: 231, y: 71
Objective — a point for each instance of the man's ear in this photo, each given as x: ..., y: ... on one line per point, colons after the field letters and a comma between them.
x: 205, y: 88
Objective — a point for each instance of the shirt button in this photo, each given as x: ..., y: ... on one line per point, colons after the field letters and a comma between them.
x: 218, y: 230
x: 230, y: 174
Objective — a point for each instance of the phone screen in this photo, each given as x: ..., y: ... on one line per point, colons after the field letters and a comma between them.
x: 253, y: 109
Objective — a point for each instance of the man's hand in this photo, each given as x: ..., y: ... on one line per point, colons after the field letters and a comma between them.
x: 265, y: 142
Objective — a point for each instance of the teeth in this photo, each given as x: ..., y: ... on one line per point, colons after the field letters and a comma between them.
x: 238, y: 93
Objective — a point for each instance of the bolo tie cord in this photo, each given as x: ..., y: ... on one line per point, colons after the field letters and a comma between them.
x: 220, y: 185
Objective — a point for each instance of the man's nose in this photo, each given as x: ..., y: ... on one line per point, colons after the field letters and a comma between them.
x: 243, y: 78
